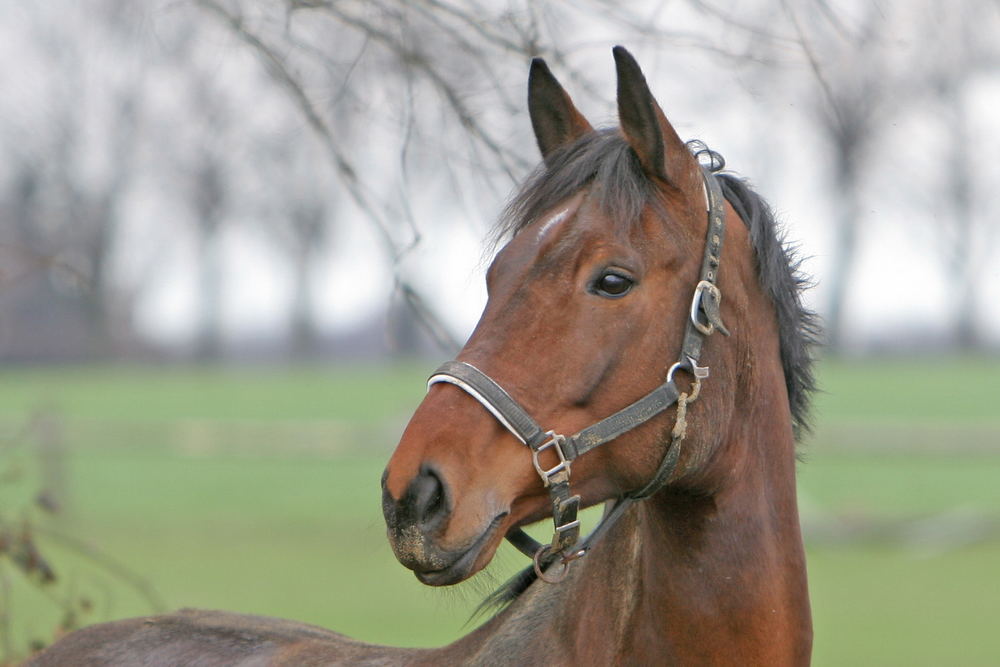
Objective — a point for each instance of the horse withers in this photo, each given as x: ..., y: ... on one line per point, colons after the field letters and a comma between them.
x: 606, y: 367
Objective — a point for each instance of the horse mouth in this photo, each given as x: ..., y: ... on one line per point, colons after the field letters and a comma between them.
x: 464, y: 564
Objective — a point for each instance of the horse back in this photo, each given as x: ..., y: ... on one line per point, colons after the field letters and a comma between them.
x: 198, y: 638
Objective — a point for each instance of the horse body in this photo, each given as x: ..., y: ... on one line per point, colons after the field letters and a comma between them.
x: 710, y: 569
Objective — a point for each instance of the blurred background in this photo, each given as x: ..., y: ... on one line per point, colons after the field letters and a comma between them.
x: 235, y: 236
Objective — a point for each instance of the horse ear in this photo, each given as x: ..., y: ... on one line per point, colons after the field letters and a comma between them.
x: 661, y: 152
x: 554, y: 118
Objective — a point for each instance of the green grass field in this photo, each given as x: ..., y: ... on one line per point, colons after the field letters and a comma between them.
x: 257, y: 491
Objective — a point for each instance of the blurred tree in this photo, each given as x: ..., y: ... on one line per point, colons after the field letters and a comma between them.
x: 71, y: 176
x: 854, y: 92
x: 958, y: 52
x: 417, y: 107
x: 209, y: 199
x: 196, y: 162
x: 298, y: 212
x: 874, y: 70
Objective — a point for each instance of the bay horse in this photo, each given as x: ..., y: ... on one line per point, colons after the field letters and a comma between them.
x: 600, y: 321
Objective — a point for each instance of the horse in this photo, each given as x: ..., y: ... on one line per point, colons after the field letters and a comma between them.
x: 601, y: 320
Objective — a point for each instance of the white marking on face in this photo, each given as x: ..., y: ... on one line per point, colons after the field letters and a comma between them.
x: 551, y: 222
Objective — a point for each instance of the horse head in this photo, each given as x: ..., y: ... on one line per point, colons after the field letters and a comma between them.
x: 586, y: 312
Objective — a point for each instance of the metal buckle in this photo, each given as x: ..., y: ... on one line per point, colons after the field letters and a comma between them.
x: 557, y: 441
x: 568, y: 526
x: 700, y: 288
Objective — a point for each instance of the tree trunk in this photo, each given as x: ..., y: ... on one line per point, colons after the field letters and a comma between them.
x: 960, y: 249
x: 304, y: 337
x: 845, y: 242
x: 209, y: 198
x: 208, y: 347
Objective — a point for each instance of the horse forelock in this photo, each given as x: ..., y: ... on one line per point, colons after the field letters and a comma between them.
x: 602, y: 161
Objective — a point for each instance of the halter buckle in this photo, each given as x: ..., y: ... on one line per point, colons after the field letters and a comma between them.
x: 696, y: 307
x: 558, y: 472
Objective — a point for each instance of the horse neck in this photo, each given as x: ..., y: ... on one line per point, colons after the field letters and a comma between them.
x: 680, y: 579
x: 684, y: 577
x: 723, y: 571
x: 695, y: 578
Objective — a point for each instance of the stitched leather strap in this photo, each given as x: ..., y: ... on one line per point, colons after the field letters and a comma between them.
x: 493, y: 397
x: 709, y: 303
x: 623, y: 421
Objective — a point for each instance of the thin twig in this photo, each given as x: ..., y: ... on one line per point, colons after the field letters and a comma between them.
x: 120, y: 571
x: 344, y: 167
x: 5, y: 642
x: 815, y: 67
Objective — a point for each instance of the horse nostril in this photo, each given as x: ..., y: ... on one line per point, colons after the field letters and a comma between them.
x: 429, y: 498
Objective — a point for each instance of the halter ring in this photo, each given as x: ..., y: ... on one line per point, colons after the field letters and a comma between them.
x: 565, y: 561
x: 689, y: 364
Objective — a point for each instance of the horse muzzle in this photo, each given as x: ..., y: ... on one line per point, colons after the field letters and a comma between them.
x: 416, y: 523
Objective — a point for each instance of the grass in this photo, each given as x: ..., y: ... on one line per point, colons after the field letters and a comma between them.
x: 257, y: 491
x: 353, y: 393
x: 885, y: 606
x: 929, y: 391
x: 894, y: 485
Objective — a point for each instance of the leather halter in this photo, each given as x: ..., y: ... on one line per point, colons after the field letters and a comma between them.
x: 704, y: 319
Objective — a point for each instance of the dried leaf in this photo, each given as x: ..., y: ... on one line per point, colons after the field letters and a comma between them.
x: 25, y: 555
x: 47, y: 501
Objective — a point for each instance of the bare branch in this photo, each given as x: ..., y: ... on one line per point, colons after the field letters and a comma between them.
x: 349, y: 175
x: 409, y: 57
x: 113, y: 566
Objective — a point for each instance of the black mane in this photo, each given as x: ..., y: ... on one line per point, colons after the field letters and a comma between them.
x: 779, y: 273
x: 604, y: 161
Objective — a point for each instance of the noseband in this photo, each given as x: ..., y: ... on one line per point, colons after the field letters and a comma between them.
x: 704, y: 319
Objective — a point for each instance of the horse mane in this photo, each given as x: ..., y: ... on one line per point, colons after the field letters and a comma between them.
x: 604, y: 161
x: 779, y: 272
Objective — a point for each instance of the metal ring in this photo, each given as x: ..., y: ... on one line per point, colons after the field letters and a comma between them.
x: 673, y: 369
x: 690, y: 365
x: 541, y: 573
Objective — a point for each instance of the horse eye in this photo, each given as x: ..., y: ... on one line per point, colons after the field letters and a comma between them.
x: 612, y: 285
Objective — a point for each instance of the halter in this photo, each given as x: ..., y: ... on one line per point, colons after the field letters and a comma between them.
x: 703, y: 320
